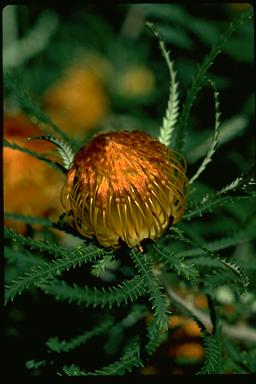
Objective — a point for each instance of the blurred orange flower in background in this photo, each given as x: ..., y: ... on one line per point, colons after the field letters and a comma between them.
x: 135, y: 81
x: 78, y: 100
x: 188, y: 325
x: 31, y: 187
x: 190, y: 350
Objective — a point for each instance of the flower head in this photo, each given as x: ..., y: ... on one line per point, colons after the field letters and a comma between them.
x: 125, y: 185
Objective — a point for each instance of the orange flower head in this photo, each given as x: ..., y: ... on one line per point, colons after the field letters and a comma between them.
x: 124, y: 185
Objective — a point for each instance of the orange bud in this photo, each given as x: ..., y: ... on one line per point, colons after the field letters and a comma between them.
x: 125, y: 185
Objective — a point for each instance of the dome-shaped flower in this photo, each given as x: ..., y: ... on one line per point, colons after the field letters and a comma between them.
x: 124, y: 185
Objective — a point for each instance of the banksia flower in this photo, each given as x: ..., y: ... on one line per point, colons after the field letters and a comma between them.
x: 124, y: 185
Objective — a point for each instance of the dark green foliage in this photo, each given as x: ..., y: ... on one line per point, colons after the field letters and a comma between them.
x: 41, y: 273
x: 240, y: 188
x: 126, y: 295
x: 55, y: 345
x: 159, y: 304
x: 212, y: 355
x: 155, y: 336
x: 127, y: 291
x: 64, y: 150
x: 212, y: 342
x: 11, y: 85
x: 29, y: 219
x: 33, y: 364
x: 199, y: 78
x: 129, y: 360
x: 177, y: 264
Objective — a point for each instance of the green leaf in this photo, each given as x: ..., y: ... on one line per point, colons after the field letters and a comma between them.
x: 242, y: 187
x: 143, y: 264
x: 101, y: 265
x: 237, y: 270
x: 41, y: 273
x: 22, y: 259
x: 42, y: 246
x: 29, y: 219
x: 127, y: 291
x: 213, y: 147
x: 55, y: 345
x: 238, y: 237
x: 12, y: 84
x: 171, y: 114
x: 230, y: 129
x: 35, y: 364
x: 38, y: 156
x: 217, y: 277
x: 212, y: 355
x: 213, y: 342
x: 155, y: 336
x: 199, y: 78
x: 64, y: 150
x: 177, y: 264
x: 129, y: 360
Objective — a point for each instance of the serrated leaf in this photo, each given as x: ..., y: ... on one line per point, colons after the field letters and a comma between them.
x: 127, y: 291
x: 212, y: 355
x: 159, y: 305
x: 171, y: 113
x: 215, y: 138
x: 64, y: 150
x: 199, y: 78
x: 56, y: 345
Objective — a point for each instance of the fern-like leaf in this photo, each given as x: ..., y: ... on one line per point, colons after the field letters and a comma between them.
x: 155, y: 337
x: 242, y: 187
x: 21, y: 258
x: 129, y: 360
x: 171, y: 113
x: 246, y: 183
x: 129, y: 290
x: 238, y: 237
x: 41, y: 246
x: 101, y: 265
x: 64, y: 149
x: 29, y: 219
x: 219, y: 278
x: 26, y: 47
x: 38, y: 156
x: 170, y: 259
x: 212, y: 355
x: 33, y: 111
x: 35, y: 364
x: 159, y: 305
x: 216, y: 339
x: 116, y: 334
x: 199, y: 78
x: 41, y: 273
x: 213, y: 147
x: 237, y: 270
x: 55, y: 345
x: 230, y: 129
